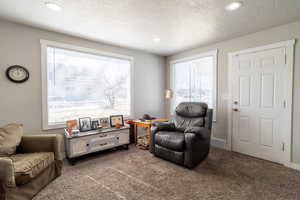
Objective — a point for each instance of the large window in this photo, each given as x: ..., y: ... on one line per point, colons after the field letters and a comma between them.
x: 194, y: 80
x: 81, y: 82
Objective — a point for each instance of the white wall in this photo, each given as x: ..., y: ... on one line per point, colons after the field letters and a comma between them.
x: 21, y: 103
x: 277, y: 34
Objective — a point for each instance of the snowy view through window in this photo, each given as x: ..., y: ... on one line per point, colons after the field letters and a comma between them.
x: 86, y: 85
x: 193, y: 81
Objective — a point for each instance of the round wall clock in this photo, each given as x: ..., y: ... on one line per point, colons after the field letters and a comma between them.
x: 17, y: 74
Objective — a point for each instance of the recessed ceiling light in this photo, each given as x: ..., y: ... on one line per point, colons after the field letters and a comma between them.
x: 156, y: 39
x: 233, y: 6
x: 53, y: 6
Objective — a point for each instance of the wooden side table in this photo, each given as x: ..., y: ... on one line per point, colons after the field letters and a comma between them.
x: 146, y: 124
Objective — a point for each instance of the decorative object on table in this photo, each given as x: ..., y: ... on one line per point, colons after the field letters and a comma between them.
x: 147, y: 117
x: 95, y: 124
x: 72, y: 133
x: 17, y: 74
x: 71, y: 125
x: 117, y: 125
x: 116, y: 119
x: 85, y: 124
x: 129, y: 121
x: 104, y: 122
x: 75, y: 132
x: 99, y: 127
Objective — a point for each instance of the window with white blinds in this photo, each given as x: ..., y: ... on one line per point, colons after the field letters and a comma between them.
x: 195, y: 80
x: 84, y: 84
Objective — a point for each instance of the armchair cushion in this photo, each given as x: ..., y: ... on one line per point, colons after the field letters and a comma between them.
x: 28, y: 165
x: 171, y: 140
x: 10, y: 138
x: 182, y: 123
x: 191, y: 109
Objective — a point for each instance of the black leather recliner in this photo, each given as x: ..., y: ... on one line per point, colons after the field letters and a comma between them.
x: 184, y: 140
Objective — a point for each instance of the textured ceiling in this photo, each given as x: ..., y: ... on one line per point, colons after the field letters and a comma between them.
x: 181, y: 24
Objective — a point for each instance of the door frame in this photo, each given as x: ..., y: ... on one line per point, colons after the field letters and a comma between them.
x: 289, y: 46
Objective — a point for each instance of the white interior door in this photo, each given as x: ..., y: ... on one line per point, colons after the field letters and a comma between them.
x: 259, y: 104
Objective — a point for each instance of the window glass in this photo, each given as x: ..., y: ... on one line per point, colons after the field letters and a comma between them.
x: 86, y: 85
x: 194, y: 81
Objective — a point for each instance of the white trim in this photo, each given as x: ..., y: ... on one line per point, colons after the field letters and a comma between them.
x: 295, y: 166
x: 44, y: 87
x: 44, y: 72
x: 218, y: 143
x: 201, y: 55
x: 229, y: 106
x: 289, y: 45
x: 83, y: 49
x: 213, y: 53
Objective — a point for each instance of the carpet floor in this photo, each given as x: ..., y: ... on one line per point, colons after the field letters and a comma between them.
x: 137, y: 174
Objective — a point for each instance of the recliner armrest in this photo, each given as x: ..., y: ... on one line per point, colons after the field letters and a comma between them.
x: 42, y: 143
x: 7, y: 174
x: 164, y: 126
x: 159, y: 126
x: 200, y: 132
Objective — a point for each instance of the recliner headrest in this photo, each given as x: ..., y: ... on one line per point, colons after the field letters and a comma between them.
x: 191, y: 109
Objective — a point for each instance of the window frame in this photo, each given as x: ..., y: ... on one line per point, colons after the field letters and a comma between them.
x: 214, y: 54
x: 44, y: 73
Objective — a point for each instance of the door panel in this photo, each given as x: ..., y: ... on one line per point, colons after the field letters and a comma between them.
x: 244, y: 64
x: 267, y: 90
x: 245, y: 85
x: 268, y: 61
x: 258, y: 89
x: 266, y: 132
x: 244, y: 129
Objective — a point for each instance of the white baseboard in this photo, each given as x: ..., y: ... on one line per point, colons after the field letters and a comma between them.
x: 295, y: 166
x: 218, y: 143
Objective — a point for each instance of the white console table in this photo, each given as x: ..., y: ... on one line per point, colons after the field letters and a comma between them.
x: 88, y: 142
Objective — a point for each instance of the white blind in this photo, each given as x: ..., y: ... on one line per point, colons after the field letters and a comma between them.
x: 86, y: 85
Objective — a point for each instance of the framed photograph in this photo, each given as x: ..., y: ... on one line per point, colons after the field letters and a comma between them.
x: 85, y: 124
x: 104, y: 122
x: 71, y: 125
x: 116, y: 119
x: 95, y: 124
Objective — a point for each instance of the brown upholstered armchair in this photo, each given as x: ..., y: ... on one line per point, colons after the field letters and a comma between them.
x: 37, y: 162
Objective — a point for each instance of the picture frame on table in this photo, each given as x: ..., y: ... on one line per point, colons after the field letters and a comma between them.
x: 95, y: 124
x: 104, y: 122
x: 85, y: 124
x: 71, y: 125
x: 116, y: 119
